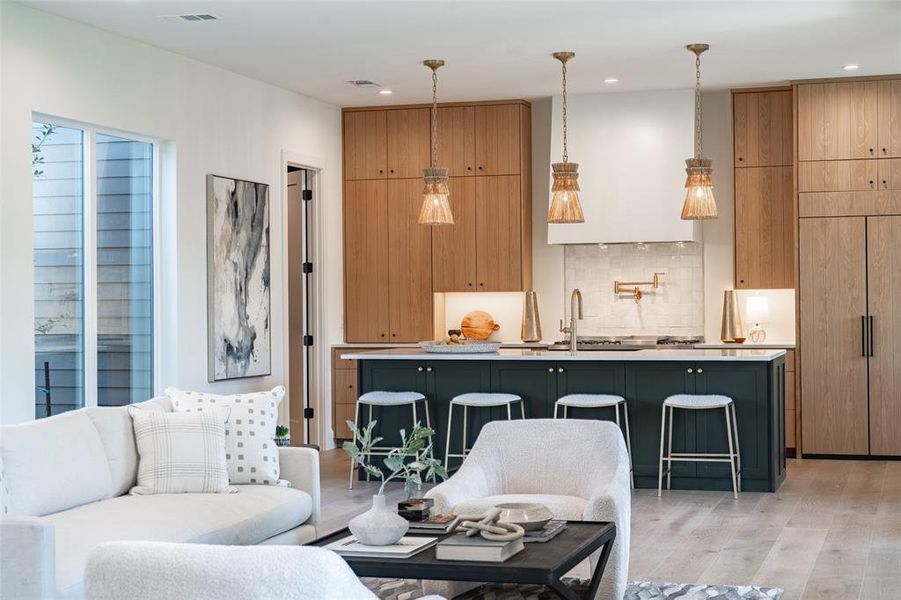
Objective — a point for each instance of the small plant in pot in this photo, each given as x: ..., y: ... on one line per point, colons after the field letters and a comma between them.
x: 282, y: 436
x: 412, y: 462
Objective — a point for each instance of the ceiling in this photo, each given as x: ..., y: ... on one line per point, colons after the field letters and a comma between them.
x: 502, y: 49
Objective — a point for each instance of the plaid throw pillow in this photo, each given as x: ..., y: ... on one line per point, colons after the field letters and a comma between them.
x: 180, y: 452
x: 250, y: 451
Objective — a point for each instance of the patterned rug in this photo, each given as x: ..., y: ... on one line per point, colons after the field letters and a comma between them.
x: 410, y: 589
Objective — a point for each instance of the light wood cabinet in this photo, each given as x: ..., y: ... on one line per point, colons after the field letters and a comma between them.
x: 409, y: 264
x: 837, y: 120
x: 498, y: 144
x: 454, y: 246
x: 764, y: 228
x: 456, y: 134
x: 837, y: 175
x: 762, y: 125
x: 365, y: 149
x: 833, y: 309
x: 499, y: 255
x: 889, y: 173
x: 366, y: 261
x: 884, y: 301
x: 889, y: 102
x: 408, y: 142
x: 344, y: 391
x: 837, y: 204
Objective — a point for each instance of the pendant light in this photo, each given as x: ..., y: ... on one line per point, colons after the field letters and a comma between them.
x: 699, y: 201
x: 435, y: 206
x: 565, y: 206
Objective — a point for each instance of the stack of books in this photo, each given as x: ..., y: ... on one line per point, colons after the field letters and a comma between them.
x: 551, y: 530
x: 476, y: 548
x: 434, y: 525
x: 405, y: 548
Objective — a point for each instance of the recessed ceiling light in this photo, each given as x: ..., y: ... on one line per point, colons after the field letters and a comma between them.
x: 385, y: 92
x: 850, y: 67
x: 611, y: 80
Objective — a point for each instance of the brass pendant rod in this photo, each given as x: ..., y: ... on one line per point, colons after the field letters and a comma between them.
x: 697, y: 50
x: 563, y: 57
x: 434, y: 65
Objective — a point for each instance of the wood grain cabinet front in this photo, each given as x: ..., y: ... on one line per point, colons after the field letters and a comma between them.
x: 762, y: 124
x: 837, y: 120
x: 365, y: 147
x: 889, y: 102
x: 454, y: 246
x: 408, y: 141
x: 764, y: 228
x: 498, y: 144
x: 456, y: 134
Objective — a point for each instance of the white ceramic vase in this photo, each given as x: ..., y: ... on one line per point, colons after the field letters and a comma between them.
x: 378, y: 526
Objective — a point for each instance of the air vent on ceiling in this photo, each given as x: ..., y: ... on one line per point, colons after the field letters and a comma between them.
x: 364, y: 83
x: 192, y: 17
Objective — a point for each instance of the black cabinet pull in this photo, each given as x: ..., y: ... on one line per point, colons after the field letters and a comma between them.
x: 871, y: 336
x: 863, y: 336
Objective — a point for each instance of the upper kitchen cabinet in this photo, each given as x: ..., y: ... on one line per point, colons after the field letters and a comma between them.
x: 456, y: 132
x: 454, y: 246
x: 503, y: 249
x: 889, y: 125
x: 837, y: 121
x: 408, y: 139
x: 762, y: 126
x: 365, y: 148
x: 498, y: 145
x: 366, y: 261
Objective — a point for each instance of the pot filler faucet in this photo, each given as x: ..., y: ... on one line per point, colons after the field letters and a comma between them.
x: 575, y: 303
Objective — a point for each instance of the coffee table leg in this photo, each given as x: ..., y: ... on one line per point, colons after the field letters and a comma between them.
x: 566, y: 592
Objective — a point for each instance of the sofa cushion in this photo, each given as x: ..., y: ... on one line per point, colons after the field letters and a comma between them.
x: 252, y: 515
x: 563, y: 507
x: 53, y: 464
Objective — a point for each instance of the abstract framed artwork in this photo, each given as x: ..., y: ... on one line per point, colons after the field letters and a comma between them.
x: 238, y: 311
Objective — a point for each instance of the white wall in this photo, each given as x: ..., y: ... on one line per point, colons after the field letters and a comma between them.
x: 212, y: 121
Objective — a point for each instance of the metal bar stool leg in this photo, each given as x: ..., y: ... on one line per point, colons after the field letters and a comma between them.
x: 369, y: 455
x: 356, y: 426
x: 737, y: 446
x: 509, y: 411
x: 522, y: 408
x: 669, y: 452
x: 565, y: 411
x: 463, y: 451
x: 731, y: 452
x: 628, y: 442
x: 447, y: 441
x: 660, y: 465
x: 555, y: 409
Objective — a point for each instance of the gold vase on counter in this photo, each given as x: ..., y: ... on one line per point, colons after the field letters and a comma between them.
x: 732, y: 330
x: 531, y: 322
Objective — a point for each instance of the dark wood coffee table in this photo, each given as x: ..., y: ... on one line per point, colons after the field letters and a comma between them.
x: 539, y: 563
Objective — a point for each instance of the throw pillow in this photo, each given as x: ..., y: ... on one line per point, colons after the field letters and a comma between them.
x: 180, y: 452
x: 250, y: 451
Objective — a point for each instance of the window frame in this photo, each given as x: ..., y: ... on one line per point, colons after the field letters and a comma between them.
x: 89, y: 240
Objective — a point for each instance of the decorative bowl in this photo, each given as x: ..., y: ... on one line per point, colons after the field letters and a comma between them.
x: 467, y: 347
x: 528, y: 515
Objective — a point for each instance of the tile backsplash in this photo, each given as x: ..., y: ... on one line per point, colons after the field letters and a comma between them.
x: 676, y: 307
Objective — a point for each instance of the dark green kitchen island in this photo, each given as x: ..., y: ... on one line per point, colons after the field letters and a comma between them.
x: 754, y: 379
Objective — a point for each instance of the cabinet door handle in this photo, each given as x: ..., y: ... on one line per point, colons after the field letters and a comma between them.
x: 469, y: 168
x: 871, y: 151
x: 871, y: 336
x: 560, y: 370
x: 884, y: 151
x: 480, y: 169
x: 871, y: 183
x: 419, y: 369
x: 550, y: 369
x: 382, y: 334
x: 381, y: 171
x: 428, y: 369
x: 690, y: 370
x: 700, y: 370
x: 481, y: 284
x: 863, y: 335
x: 885, y: 183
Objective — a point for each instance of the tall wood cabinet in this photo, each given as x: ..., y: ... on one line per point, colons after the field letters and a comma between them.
x: 849, y: 310
x: 392, y: 264
x: 764, y: 202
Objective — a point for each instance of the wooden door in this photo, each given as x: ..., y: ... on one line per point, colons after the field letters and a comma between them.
x: 837, y: 175
x: 498, y: 139
x: 889, y: 122
x: 833, y: 306
x: 498, y: 229
x: 456, y: 139
x: 837, y: 120
x: 454, y: 246
x: 409, y: 264
x: 762, y: 125
x: 409, y: 138
x: 365, y: 145
x: 764, y: 228
x: 889, y: 173
x: 366, y: 261
x: 884, y: 288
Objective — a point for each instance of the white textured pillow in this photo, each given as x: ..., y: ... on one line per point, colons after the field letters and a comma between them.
x: 250, y: 451
x: 180, y: 452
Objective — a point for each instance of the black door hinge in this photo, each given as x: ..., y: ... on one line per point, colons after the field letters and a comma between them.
x: 308, y: 340
x: 307, y: 267
x: 308, y: 413
x: 307, y: 195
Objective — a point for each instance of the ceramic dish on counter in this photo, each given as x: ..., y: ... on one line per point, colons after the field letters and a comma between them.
x: 464, y: 347
x: 528, y: 515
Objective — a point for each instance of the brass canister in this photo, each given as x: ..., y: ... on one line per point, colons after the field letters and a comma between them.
x: 531, y: 322
x: 732, y: 328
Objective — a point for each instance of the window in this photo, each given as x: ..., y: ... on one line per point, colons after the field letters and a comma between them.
x: 93, y: 225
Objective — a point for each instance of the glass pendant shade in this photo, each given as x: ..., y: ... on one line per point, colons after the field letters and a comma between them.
x: 565, y: 205
x: 436, y: 208
x: 699, y: 202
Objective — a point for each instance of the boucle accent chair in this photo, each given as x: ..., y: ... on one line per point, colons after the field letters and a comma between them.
x: 578, y: 468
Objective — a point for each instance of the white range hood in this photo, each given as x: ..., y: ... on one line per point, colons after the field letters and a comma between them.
x: 631, y: 149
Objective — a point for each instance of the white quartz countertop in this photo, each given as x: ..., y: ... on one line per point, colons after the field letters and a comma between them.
x: 680, y: 354
x: 746, y: 345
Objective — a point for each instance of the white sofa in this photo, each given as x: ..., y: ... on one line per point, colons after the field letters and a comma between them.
x: 577, y: 468
x: 65, y: 482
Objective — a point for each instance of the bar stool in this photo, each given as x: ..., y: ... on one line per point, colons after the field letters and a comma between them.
x: 600, y: 401
x: 385, y: 399
x: 477, y: 400
x: 699, y: 402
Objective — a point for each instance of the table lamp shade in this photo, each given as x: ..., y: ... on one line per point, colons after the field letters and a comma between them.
x: 758, y: 309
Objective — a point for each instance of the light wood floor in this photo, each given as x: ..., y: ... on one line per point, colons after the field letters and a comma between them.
x: 832, y: 531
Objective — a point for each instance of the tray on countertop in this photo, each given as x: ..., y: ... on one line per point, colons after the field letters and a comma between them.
x: 469, y: 347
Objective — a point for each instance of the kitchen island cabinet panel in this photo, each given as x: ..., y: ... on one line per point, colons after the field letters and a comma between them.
x: 535, y: 383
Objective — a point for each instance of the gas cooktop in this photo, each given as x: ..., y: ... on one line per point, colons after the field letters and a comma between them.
x: 630, y: 342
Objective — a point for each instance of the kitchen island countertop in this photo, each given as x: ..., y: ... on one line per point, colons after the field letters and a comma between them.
x: 687, y: 354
